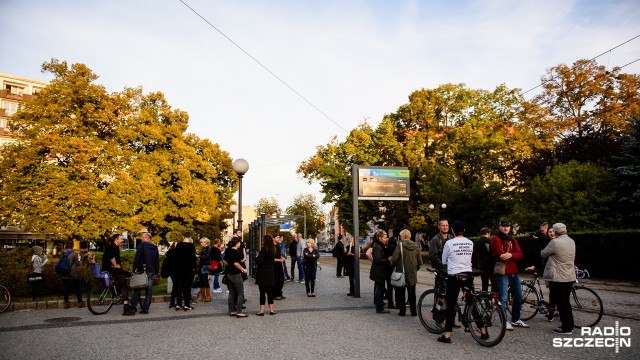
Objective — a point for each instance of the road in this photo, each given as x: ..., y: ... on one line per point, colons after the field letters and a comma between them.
x: 329, y: 326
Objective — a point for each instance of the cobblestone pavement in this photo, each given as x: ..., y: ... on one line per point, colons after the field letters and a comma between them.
x: 329, y: 326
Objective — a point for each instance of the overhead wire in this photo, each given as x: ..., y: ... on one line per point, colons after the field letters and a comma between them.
x: 264, y: 67
x: 597, y: 56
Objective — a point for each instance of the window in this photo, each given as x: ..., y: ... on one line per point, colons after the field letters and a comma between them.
x: 10, y: 108
x: 36, y: 90
x: 13, y: 89
x: 3, y: 124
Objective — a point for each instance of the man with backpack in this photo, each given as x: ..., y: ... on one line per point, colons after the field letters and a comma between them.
x: 67, y: 267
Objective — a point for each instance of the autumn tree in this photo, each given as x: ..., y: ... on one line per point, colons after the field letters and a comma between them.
x: 88, y: 163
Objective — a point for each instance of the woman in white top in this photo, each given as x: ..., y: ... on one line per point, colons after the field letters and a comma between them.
x: 38, y: 265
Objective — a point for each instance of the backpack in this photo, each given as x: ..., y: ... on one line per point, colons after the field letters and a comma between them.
x: 63, y: 266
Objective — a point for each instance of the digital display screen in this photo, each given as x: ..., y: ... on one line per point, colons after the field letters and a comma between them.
x: 383, y: 183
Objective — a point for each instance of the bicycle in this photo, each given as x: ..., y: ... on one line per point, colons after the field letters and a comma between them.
x: 5, y: 298
x: 480, y: 308
x: 102, y: 297
x: 585, y: 303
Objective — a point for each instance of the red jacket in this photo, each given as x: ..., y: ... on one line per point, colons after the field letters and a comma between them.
x: 512, y: 246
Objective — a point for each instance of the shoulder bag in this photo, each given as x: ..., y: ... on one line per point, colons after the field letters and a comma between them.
x: 139, y: 280
x: 397, y: 278
x: 500, y: 266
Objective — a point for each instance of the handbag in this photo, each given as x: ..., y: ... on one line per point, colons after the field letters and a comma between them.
x: 139, y: 280
x: 397, y: 278
x: 35, y: 277
x: 225, y: 280
x: 500, y: 266
x: 213, y: 265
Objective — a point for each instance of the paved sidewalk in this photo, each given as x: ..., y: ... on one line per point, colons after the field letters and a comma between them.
x: 329, y: 326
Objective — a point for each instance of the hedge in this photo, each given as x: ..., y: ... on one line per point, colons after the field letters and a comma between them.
x: 16, y: 265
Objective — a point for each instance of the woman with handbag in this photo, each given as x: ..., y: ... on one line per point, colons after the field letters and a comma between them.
x: 36, y: 277
x: 406, y: 258
x: 203, y: 270
x: 215, y: 265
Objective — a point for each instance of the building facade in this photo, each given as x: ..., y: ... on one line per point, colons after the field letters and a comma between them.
x: 14, y: 91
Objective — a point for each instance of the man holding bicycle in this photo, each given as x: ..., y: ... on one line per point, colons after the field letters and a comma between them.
x: 456, y: 255
x: 111, y: 263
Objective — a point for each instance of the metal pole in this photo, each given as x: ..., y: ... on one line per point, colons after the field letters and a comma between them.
x: 356, y: 231
x: 250, y: 248
x: 263, y: 227
x: 240, y: 202
x: 305, y: 225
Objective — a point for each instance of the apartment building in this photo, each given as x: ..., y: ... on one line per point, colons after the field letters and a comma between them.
x: 14, y: 91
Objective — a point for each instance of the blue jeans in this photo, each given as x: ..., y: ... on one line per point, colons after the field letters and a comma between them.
x: 216, y: 281
x: 204, y: 276
x: 135, y: 298
x: 300, y: 269
x: 378, y: 293
x: 504, y: 283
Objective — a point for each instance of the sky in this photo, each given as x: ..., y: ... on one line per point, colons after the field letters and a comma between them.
x: 348, y: 61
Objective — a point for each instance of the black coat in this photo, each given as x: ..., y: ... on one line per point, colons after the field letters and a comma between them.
x: 380, y: 264
x: 265, y: 262
x: 482, y: 255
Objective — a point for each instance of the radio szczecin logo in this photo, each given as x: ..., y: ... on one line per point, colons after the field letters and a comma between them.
x: 605, y: 337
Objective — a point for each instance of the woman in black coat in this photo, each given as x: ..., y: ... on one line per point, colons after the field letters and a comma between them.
x: 265, y: 276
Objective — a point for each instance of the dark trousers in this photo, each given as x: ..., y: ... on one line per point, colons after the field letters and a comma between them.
x: 174, y: 289
x: 294, y: 263
x: 266, y: 291
x: 71, y: 285
x: 310, y: 278
x: 485, y: 282
x: 378, y: 290
x: 389, y: 292
x: 400, y: 299
x: 184, y: 280
x: 560, y: 293
x: 278, y: 279
x: 352, y: 282
x: 339, y: 266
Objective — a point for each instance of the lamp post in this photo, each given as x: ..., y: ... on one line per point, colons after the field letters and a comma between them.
x: 442, y: 206
x: 240, y: 166
x: 234, y: 210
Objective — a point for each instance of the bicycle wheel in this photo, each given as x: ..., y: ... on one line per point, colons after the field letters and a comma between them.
x: 485, y: 312
x: 431, y: 319
x: 101, y: 299
x: 5, y: 299
x: 586, y: 306
x: 530, y: 302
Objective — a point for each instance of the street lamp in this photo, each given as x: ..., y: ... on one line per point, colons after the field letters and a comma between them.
x: 442, y: 206
x: 240, y: 166
x: 234, y: 210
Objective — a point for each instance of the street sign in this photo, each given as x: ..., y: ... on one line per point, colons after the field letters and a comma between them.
x: 383, y: 183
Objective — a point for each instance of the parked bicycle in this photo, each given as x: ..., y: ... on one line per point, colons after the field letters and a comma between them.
x: 474, y: 308
x: 102, y: 297
x: 585, y: 303
x: 5, y: 298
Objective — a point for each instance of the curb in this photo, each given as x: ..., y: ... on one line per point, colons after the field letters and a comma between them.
x: 59, y: 304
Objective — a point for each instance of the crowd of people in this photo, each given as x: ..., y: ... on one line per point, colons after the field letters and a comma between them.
x: 449, y: 250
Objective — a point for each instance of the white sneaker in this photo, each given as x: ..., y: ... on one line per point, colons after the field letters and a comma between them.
x: 520, y: 323
x: 217, y: 291
x: 509, y: 327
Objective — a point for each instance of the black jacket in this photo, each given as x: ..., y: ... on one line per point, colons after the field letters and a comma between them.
x: 482, y: 255
x: 380, y: 265
x: 147, y: 254
x: 265, y: 263
x: 293, y: 246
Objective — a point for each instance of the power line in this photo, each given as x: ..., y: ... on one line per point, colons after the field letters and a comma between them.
x: 597, y: 56
x: 263, y: 66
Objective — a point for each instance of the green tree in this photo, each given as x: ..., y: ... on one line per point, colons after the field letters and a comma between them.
x: 88, y: 163
x: 628, y: 175
x: 578, y: 195
x: 307, y: 205
x: 268, y: 207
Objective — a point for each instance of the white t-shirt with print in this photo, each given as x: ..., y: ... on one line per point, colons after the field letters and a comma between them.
x: 456, y: 254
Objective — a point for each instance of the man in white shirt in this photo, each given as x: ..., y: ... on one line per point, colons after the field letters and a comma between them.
x: 456, y: 255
